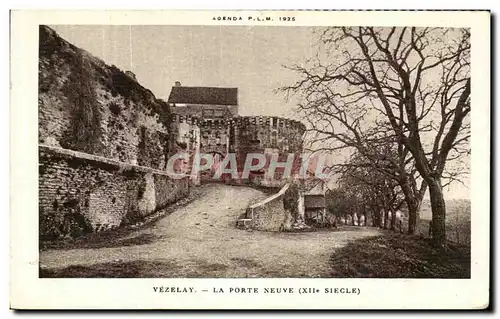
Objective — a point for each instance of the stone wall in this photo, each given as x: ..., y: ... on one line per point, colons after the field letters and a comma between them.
x: 184, y: 134
x: 104, y: 143
x: 263, y: 132
x: 81, y: 193
x: 270, y: 213
x: 206, y: 110
x: 272, y: 136
x: 88, y: 106
x: 215, y: 136
x: 185, y: 138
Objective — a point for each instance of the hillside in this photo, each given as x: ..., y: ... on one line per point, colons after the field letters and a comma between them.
x: 453, y: 207
x: 394, y: 255
x: 103, y: 144
x: 458, y: 220
x: 89, y: 106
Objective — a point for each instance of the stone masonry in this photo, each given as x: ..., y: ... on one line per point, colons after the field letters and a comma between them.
x: 104, y: 141
x: 81, y: 193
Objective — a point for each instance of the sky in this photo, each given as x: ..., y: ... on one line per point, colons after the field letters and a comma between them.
x: 247, y: 57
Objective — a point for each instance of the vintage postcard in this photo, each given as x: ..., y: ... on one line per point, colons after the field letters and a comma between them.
x: 250, y: 160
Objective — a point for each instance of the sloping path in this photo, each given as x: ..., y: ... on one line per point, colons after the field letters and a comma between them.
x: 200, y: 240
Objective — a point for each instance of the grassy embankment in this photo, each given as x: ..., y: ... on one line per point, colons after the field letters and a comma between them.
x: 395, y: 255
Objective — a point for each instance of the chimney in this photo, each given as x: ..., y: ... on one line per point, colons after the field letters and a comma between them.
x: 177, y: 83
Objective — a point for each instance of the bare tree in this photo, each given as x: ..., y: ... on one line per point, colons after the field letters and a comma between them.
x: 383, y: 155
x: 373, y: 187
x: 412, y: 84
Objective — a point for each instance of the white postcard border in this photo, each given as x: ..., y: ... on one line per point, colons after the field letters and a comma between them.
x: 29, y: 291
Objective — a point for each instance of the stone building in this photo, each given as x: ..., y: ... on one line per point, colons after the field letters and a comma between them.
x: 204, y: 102
x: 312, y: 201
x: 213, y: 106
x: 314, y: 208
x: 223, y: 130
x: 105, y: 140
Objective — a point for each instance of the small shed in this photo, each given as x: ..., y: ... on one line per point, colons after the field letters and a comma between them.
x: 314, y: 206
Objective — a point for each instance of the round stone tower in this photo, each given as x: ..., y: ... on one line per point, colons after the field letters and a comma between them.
x: 276, y: 138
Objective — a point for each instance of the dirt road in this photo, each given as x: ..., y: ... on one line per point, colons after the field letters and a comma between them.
x: 200, y: 240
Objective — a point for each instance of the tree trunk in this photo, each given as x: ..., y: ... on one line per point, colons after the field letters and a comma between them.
x: 412, y: 216
x: 412, y: 221
x: 393, y: 220
x: 375, y: 218
x: 438, y: 207
x: 386, y: 218
x: 413, y: 203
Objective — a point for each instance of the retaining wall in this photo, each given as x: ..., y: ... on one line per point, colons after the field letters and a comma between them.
x: 81, y: 193
x: 270, y: 213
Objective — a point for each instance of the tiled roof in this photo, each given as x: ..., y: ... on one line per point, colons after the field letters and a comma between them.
x: 314, y: 201
x: 203, y: 95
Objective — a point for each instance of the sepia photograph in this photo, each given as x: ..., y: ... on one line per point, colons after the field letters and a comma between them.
x: 266, y: 149
x: 380, y: 114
